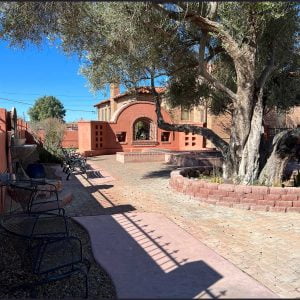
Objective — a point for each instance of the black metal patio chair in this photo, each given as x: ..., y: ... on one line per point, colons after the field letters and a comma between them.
x: 33, y: 196
x: 53, y: 260
x: 46, y: 250
x: 73, y: 161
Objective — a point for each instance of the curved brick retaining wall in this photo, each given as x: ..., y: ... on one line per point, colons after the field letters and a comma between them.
x: 240, y: 196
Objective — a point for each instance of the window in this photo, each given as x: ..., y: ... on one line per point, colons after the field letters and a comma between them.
x: 121, y: 136
x: 143, y: 129
x: 202, y: 115
x: 165, y: 136
x: 185, y: 114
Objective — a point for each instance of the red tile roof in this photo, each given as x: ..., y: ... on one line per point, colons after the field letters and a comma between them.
x: 139, y: 90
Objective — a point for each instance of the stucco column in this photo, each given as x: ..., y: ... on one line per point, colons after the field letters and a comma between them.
x: 114, y: 91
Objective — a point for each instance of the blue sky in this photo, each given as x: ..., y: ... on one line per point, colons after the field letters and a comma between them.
x: 29, y: 73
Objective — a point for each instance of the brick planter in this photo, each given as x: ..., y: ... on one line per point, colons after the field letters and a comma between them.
x: 260, y: 198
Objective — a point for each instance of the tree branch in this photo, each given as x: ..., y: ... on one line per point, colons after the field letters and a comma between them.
x: 220, y: 144
x: 228, y: 42
x: 207, y: 26
x: 218, y: 85
x: 213, y: 10
x: 267, y: 71
x: 213, y: 52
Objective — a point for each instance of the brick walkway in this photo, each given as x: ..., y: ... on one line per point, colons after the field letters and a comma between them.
x: 150, y: 257
x: 264, y: 245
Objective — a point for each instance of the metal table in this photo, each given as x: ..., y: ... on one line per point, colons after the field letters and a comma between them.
x: 35, y: 226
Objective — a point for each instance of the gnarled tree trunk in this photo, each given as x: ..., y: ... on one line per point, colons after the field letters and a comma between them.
x: 241, y: 156
x: 286, y: 145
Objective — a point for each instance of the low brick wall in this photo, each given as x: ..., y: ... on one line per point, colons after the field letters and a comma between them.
x: 259, y: 198
x: 188, y: 159
x: 125, y: 157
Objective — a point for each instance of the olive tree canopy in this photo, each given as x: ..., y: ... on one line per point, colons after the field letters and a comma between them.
x: 241, y: 57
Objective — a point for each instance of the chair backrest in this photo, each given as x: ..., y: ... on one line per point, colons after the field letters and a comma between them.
x: 21, y: 194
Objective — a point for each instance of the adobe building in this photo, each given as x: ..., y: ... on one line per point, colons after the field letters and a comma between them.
x: 127, y: 122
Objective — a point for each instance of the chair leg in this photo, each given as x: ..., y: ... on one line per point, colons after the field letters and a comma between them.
x: 68, y: 175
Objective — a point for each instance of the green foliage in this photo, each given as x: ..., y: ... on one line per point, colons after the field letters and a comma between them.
x: 47, y: 157
x: 128, y: 42
x: 52, y: 131
x: 47, y: 107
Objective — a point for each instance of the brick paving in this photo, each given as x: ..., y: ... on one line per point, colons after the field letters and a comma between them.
x: 265, y: 245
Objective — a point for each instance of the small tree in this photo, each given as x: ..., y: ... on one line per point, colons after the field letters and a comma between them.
x: 50, y: 133
x: 47, y: 107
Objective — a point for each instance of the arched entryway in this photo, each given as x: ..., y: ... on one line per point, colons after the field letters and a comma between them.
x: 144, y: 130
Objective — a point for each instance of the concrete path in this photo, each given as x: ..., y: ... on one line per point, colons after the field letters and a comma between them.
x: 264, y: 245
x: 149, y: 256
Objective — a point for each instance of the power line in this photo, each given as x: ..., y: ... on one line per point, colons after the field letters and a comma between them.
x: 36, y: 94
x: 22, y: 102
x: 30, y: 104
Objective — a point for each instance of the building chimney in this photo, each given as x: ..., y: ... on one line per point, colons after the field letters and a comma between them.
x: 114, y: 91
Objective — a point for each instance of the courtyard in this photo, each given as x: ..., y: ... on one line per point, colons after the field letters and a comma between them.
x: 155, y: 152
x: 262, y: 244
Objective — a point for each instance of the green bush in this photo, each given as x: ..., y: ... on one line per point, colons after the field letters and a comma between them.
x: 47, y: 157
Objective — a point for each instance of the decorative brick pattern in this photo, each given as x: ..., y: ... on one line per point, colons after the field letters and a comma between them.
x: 125, y: 157
x: 258, y: 198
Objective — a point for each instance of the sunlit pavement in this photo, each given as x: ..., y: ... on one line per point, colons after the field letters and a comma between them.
x: 264, y: 245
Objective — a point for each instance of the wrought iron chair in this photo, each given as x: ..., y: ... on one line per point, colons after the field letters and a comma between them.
x: 52, y: 260
x: 46, y: 250
x: 72, y: 161
x: 34, y: 196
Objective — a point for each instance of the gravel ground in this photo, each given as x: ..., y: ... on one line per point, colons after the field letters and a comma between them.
x: 11, y: 273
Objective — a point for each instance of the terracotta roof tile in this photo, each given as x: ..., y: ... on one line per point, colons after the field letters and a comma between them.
x: 139, y: 90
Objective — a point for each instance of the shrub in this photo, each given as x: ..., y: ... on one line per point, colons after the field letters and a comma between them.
x: 50, y: 133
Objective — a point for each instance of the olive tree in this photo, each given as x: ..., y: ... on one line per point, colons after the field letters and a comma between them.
x: 226, y: 53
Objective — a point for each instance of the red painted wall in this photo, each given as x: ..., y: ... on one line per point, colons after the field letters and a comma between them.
x: 98, y: 137
x: 70, y: 139
x: 3, y: 128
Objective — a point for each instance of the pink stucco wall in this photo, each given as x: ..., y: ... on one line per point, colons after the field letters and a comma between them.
x: 3, y: 128
x: 70, y: 139
x: 98, y: 137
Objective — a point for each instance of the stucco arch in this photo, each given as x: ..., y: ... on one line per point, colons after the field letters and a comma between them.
x: 131, y: 104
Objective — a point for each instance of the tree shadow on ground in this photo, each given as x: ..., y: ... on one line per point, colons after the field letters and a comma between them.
x: 126, y: 244
x: 161, y: 270
x: 96, y: 188
x: 163, y: 173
